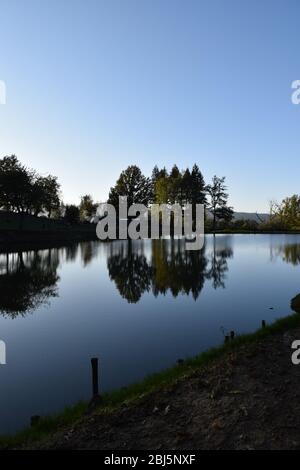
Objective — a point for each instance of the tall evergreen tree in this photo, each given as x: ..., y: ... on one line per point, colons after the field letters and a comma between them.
x: 198, y: 188
x: 155, y: 173
x: 162, y: 190
x: 186, y: 187
x: 174, y: 185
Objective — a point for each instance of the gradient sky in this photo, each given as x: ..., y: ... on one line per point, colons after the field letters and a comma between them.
x: 93, y: 86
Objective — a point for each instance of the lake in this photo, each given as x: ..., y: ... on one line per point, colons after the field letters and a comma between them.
x: 138, y: 306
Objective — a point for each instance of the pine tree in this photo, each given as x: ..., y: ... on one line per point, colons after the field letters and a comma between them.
x: 186, y: 187
x: 174, y: 185
x: 198, y: 188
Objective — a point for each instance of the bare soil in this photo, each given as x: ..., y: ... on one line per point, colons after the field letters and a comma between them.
x: 249, y: 399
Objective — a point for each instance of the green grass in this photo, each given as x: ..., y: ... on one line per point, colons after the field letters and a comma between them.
x: 48, y: 425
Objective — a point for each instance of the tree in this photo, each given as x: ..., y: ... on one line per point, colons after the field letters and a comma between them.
x: 133, y: 184
x: 162, y: 190
x: 15, y: 184
x: 154, y: 178
x: 198, y: 188
x: 218, y: 201
x: 186, y: 186
x: 59, y: 212
x: 44, y: 195
x: 24, y: 191
x: 72, y: 214
x: 155, y: 174
x: 175, y: 180
x: 87, y: 207
x: 197, y: 191
x: 286, y: 215
x: 51, y: 196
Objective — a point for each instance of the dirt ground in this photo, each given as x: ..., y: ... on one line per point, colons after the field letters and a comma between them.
x: 249, y: 399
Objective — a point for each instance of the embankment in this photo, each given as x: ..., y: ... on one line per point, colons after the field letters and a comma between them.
x: 17, y: 229
x: 243, y: 395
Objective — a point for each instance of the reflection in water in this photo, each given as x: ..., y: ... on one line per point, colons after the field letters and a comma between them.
x: 27, y: 279
x: 169, y: 268
x: 177, y: 269
x: 287, y: 248
x: 133, y: 339
x: 218, y: 264
x: 129, y: 269
x: 290, y: 253
x: 71, y: 251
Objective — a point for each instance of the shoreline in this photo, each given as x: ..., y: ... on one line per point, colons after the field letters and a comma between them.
x: 50, y: 432
x: 36, y: 240
x: 11, y: 240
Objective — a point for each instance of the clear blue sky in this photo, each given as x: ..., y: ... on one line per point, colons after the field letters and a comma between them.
x: 93, y: 86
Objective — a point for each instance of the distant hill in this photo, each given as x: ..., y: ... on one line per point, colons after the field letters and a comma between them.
x: 251, y: 216
x: 259, y: 217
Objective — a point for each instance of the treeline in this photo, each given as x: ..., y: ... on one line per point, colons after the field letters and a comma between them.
x: 285, y: 215
x: 24, y: 191
x: 182, y: 187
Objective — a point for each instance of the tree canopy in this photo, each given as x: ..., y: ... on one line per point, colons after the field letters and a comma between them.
x: 218, y: 207
x: 87, y: 208
x: 22, y: 190
x: 180, y: 187
x: 133, y: 184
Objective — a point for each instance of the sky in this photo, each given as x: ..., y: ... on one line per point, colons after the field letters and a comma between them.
x: 93, y: 86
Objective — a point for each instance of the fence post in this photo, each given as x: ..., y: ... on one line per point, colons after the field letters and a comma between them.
x: 94, y: 362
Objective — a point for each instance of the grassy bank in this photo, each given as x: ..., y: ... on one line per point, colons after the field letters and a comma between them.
x: 48, y: 425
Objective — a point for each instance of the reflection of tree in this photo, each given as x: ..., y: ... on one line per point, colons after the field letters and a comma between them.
x: 172, y: 268
x: 218, y: 264
x: 177, y: 269
x: 71, y: 251
x: 290, y: 253
x: 130, y: 271
x: 88, y: 251
x: 27, y: 280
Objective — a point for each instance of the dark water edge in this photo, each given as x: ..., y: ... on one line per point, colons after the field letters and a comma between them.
x: 15, y: 240
x: 12, y: 240
x: 24, y: 228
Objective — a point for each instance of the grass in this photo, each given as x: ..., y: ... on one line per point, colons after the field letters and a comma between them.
x: 48, y: 425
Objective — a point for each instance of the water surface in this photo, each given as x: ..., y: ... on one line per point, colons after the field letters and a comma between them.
x: 137, y: 306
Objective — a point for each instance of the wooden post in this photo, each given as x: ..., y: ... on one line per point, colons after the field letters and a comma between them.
x: 94, y: 362
x: 263, y: 324
x: 34, y: 420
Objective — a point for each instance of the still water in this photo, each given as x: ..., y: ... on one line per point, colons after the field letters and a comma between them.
x: 137, y: 306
